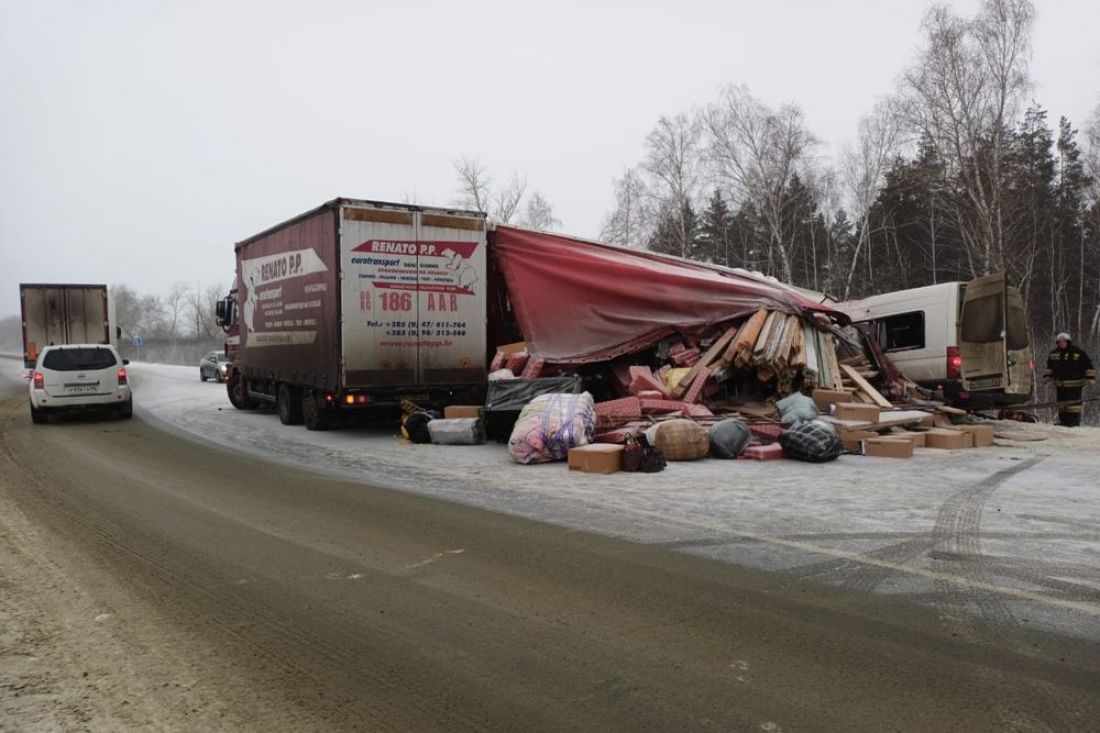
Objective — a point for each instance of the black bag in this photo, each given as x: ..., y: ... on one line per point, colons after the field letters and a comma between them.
x: 639, y: 455
x: 415, y: 426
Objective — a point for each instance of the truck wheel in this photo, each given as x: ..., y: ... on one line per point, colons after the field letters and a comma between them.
x: 235, y: 388
x: 288, y: 401
x: 312, y: 412
x: 38, y: 416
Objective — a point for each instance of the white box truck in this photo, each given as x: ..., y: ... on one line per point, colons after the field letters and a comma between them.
x: 57, y: 314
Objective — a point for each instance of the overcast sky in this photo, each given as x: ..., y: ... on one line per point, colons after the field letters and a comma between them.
x: 140, y: 139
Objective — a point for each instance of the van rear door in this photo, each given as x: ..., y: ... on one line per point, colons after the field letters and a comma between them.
x: 992, y: 337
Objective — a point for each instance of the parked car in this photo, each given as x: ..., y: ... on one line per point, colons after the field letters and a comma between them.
x: 969, y: 339
x: 213, y: 366
x: 79, y: 377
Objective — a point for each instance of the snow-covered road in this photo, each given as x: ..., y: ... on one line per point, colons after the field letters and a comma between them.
x: 1008, y: 534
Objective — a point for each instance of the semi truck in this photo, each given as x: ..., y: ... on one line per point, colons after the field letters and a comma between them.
x: 58, y: 314
x: 355, y: 305
x: 361, y: 304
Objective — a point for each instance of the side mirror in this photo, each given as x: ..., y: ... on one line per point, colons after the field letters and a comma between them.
x: 125, y: 362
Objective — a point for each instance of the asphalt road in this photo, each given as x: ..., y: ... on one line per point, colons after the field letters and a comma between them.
x: 297, y: 601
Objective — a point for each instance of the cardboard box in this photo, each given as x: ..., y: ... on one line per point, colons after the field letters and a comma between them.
x: 888, y: 448
x: 596, y: 458
x: 451, y: 412
x: 948, y: 439
x: 853, y: 439
x: 857, y: 411
x: 983, y: 434
x: 917, y: 439
x: 825, y: 397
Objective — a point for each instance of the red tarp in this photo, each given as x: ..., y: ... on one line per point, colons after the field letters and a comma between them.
x: 578, y: 301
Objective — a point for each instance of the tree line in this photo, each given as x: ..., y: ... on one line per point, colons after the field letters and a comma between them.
x: 184, y: 312
x: 956, y: 174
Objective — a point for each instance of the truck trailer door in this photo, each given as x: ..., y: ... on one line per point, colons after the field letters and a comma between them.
x: 993, y: 339
x: 451, y: 298
x: 379, y: 304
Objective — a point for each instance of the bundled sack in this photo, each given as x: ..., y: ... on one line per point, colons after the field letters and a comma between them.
x: 679, y: 440
x: 639, y: 455
x: 815, y: 441
x: 457, y: 431
x: 796, y: 407
x: 414, y: 426
x: 728, y: 438
x: 550, y: 425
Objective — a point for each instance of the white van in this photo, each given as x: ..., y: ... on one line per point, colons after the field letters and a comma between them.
x: 952, y: 337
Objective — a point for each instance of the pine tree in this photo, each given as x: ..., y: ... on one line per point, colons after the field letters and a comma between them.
x: 676, y: 231
x: 716, y: 241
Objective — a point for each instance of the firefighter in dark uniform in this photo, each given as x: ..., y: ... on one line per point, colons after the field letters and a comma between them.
x: 1069, y: 367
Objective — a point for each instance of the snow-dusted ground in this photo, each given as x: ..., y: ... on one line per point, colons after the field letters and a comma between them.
x: 1010, y: 534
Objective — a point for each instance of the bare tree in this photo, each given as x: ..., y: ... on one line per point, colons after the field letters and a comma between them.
x: 864, y: 169
x: 629, y: 223
x: 673, y: 163
x: 756, y: 152
x: 473, y: 184
x: 962, y: 94
x: 174, y: 303
x: 540, y: 214
x: 506, y: 200
x: 200, y: 307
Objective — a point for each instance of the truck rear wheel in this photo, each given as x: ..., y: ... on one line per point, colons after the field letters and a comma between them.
x: 313, y: 411
x: 238, y: 396
x: 288, y: 402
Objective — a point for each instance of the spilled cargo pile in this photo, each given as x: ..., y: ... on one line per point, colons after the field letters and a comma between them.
x: 674, y: 360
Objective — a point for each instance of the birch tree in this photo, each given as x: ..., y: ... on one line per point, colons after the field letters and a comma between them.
x: 630, y: 221
x: 756, y: 152
x: 539, y: 214
x: 864, y: 169
x: 673, y: 164
x: 963, y: 94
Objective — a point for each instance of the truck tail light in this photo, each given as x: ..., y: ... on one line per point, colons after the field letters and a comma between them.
x: 954, y: 363
x: 39, y: 380
x: 122, y: 378
x: 1031, y: 365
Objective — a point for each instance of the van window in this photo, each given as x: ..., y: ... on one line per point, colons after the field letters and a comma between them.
x: 73, y: 360
x: 900, y: 332
x: 983, y: 321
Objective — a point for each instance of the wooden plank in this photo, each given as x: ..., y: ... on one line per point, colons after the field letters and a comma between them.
x: 896, y: 418
x: 745, y: 340
x: 866, y: 387
x: 709, y: 357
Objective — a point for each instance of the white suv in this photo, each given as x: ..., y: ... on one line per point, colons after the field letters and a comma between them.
x: 80, y: 377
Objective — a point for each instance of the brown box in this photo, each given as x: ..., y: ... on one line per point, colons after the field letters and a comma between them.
x: 853, y: 439
x: 596, y: 458
x: 888, y: 448
x: 453, y: 411
x: 983, y: 434
x: 917, y: 439
x: 928, y: 421
x: 512, y: 349
x: 825, y: 397
x: 948, y: 439
x: 857, y: 411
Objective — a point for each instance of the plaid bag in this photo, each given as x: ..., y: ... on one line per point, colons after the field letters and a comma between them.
x: 813, y: 441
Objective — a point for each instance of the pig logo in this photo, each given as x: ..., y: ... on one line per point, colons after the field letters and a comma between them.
x: 464, y: 274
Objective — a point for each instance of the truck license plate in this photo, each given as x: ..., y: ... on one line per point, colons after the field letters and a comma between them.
x: 985, y: 383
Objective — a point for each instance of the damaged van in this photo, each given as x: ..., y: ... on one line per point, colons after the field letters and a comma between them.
x: 968, y: 340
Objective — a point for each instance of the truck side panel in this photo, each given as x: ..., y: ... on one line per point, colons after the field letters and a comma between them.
x: 63, y: 314
x: 288, y: 284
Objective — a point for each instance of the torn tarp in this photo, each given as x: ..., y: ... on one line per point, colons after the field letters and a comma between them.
x: 579, y: 302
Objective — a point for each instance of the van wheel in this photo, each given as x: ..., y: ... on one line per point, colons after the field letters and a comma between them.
x: 38, y: 416
x: 288, y: 402
x: 313, y: 414
x: 238, y: 397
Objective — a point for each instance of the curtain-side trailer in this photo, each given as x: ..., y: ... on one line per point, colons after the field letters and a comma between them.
x: 356, y: 304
